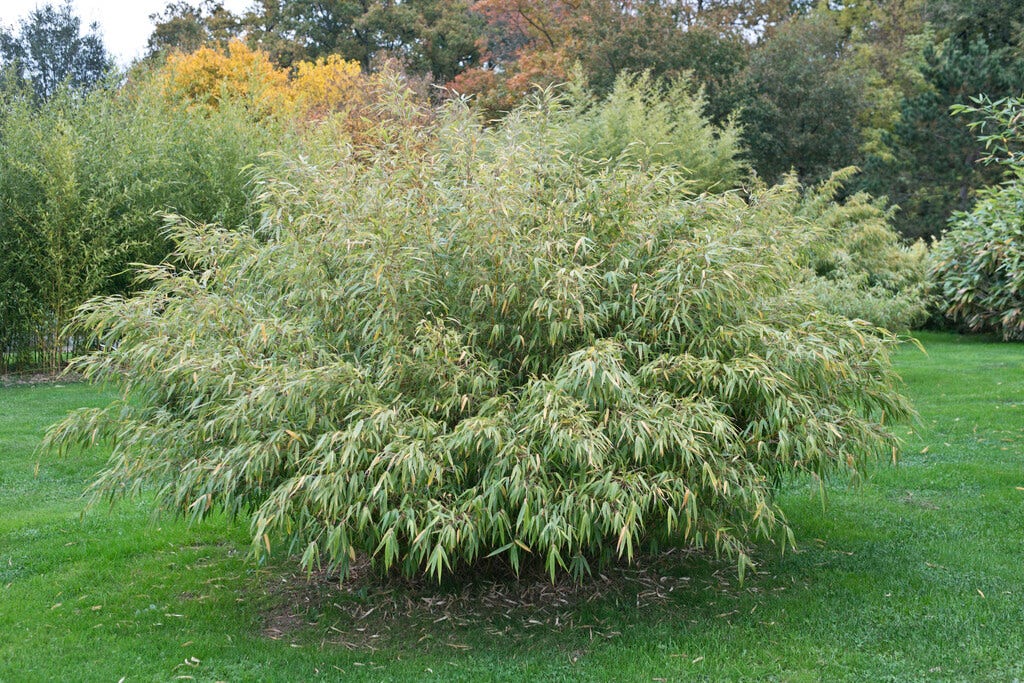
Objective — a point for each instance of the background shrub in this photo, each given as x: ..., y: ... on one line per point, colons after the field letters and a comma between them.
x: 464, y: 342
x: 979, y: 264
x: 860, y: 267
x: 649, y: 123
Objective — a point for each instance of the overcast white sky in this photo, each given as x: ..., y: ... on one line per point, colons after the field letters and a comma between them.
x: 124, y: 24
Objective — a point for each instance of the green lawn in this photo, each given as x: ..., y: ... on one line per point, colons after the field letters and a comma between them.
x: 917, y: 574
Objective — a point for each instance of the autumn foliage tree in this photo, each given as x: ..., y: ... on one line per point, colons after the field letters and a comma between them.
x: 239, y: 74
x: 531, y: 44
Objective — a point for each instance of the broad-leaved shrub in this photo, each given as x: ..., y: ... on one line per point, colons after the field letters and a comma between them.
x: 979, y: 262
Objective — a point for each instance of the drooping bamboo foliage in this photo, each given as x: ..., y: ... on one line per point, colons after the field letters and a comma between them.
x: 457, y: 342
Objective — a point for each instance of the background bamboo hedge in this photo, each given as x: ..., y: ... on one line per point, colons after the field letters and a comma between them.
x: 455, y: 342
x: 84, y: 179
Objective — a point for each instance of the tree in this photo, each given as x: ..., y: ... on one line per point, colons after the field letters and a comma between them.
x: 529, y: 43
x: 997, y: 22
x: 49, y: 49
x: 933, y: 169
x: 238, y: 75
x: 801, y: 101
x: 925, y: 160
x: 208, y: 76
x: 885, y: 42
x: 294, y: 30
x: 438, y: 38
x: 612, y: 42
x: 182, y: 27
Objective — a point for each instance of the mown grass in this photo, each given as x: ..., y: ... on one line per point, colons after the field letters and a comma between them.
x: 916, y: 574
